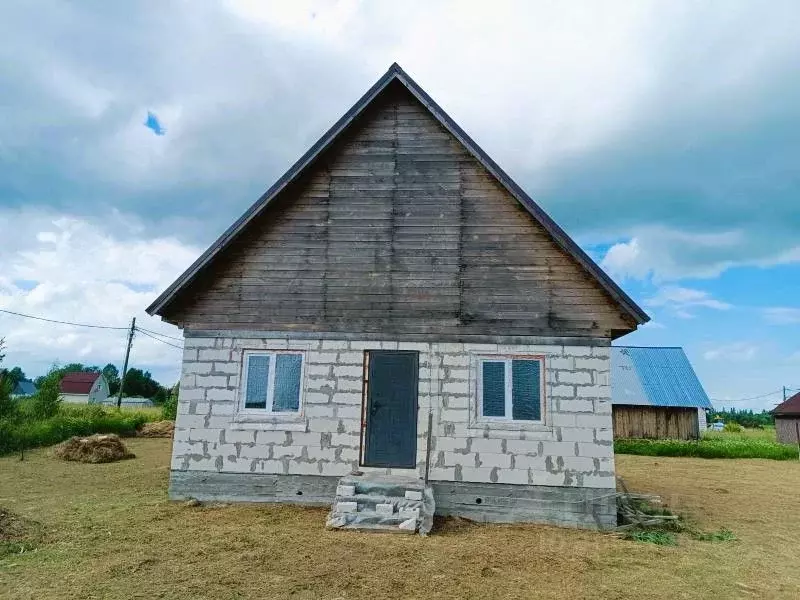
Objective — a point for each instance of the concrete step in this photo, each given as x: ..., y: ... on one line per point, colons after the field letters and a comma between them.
x: 382, y: 503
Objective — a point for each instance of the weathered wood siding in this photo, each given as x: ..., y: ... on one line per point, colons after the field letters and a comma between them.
x: 786, y: 429
x: 398, y: 230
x: 655, y: 422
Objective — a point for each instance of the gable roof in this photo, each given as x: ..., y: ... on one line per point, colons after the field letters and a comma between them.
x: 78, y: 382
x: 24, y: 388
x: 395, y: 73
x: 655, y: 377
x: 790, y: 407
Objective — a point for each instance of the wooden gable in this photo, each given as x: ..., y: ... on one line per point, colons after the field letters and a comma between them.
x: 397, y: 229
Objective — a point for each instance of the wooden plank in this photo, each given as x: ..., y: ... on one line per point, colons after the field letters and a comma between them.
x: 401, y: 229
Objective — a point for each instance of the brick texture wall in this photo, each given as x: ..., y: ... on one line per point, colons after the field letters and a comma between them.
x: 572, y: 448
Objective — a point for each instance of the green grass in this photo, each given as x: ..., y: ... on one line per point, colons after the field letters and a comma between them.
x: 654, y: 536
x: 712, y: 445
x: 24, y: 431
x: 723, y: 535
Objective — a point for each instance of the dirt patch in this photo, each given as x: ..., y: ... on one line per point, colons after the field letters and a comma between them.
x: 94, y: 449
x: 157, y: 429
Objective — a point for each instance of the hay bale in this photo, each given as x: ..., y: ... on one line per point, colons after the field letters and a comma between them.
x: 94, y: 449
x: 157, y: 429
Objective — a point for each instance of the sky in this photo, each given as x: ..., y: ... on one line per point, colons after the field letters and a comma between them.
x: 663, y: 136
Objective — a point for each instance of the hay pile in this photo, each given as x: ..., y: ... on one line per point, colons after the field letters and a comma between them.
x: 157, y: 429
x: 94, y: 449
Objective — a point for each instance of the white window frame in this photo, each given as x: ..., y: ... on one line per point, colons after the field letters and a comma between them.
x: 269, y: 409
x: 509, y: 408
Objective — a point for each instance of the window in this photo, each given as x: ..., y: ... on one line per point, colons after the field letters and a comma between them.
x: 272, y: 382
x: 510, y: 389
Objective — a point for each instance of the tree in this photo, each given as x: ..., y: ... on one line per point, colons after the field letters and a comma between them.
x: 16, y: 375
x: 111, y: 373
x: 48, y: 397
x: 141, y: 383
x: 7, y: 405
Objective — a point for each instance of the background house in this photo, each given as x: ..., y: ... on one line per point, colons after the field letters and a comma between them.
x: 655, y: 393
x: 83, y: 388
x: 787, y: 420
x: 24, y: 387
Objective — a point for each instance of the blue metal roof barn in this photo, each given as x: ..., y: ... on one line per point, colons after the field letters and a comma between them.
x: 655, y: 377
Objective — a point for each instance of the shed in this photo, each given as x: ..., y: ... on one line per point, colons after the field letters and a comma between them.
x: 396, y: 306
x: 787, y: 420
x: 655, y: 393
x: 82, y: 387
x: 130, y: 402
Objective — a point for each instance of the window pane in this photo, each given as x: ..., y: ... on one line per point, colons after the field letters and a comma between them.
x: 256, y: 389
x: 286, y: 397
x: 494, y: 389
x: 525, y: 390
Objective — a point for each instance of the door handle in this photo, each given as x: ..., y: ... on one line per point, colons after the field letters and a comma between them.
x: 374, y: 408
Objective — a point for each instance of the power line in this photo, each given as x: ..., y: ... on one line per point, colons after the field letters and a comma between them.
x: 11, y: 312
x: 161, y: 334
x: 158, y: 339
x: 747, y: 399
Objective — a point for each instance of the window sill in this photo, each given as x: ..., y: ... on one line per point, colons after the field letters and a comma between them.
x: 269, y: 423
x: 510, y: 426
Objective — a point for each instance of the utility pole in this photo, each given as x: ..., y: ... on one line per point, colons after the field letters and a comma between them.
x: 784, y: 393
x: 125, y: 364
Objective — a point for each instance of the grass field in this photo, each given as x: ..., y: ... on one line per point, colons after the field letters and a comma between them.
x: 109, y: 532
x: 750, y: 443
x: 25, y: 431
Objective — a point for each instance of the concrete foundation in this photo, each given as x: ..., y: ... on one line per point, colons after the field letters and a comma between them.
x: 587, y: 508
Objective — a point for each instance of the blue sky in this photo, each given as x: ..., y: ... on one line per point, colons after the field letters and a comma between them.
x: 663, y: 136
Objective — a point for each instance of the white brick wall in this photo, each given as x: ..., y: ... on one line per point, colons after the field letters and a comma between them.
x: 572, y: 447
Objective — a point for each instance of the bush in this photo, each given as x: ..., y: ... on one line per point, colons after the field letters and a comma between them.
x: 169, y: 410
x: 732, y: 427
x: 733, y: 447
x: 29, y: 431
x: 7, y: 403
x: 48, y: 397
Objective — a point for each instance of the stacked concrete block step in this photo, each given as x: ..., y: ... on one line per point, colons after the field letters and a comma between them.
x: 373, y: 502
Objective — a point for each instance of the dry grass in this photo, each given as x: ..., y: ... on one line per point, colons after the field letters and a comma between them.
x: 112, y: 534
x: 163, y: 429
x: 98, y: 448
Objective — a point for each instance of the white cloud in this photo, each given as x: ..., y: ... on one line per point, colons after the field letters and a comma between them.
x: 667, y: 254
x: 735, y: 352
x: 682, y: 300
x: 71, y: 269
x: 780, y: 315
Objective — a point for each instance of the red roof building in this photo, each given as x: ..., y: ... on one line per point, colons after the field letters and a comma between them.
x: 790, y: 407
x: 787, y: 420
x: 78, y: 383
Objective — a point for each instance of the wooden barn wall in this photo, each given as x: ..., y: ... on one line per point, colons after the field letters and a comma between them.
x: 655, y: 422
x: 786, y: 429
x: 398, y: 230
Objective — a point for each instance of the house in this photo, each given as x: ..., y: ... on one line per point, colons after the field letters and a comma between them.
x: 395, y: 305
x: 23, y: 388
x: 655, y: 393
x: 787, y: 420
x: 83, y: 388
